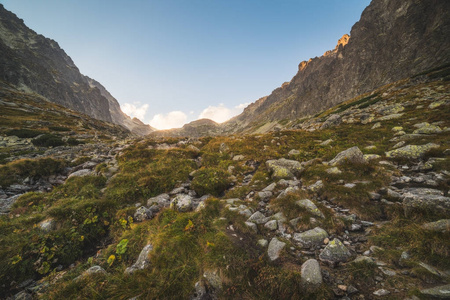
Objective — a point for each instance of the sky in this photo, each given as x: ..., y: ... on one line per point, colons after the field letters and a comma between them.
x: 169, y: 62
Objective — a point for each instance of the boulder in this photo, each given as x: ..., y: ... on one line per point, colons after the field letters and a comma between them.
x: 213, y: 279
x: 310, y: 273
x: 258, y: 218
x: 411, y: 151
x: 284, y: 168
x: 310, y: 207
x: 182, y: 203
x: 274, y: 249
x: 352, y: 155
x: 263, y: 243
x: 335, y: 252
x: 416, y: 200
x: 439, y: 292
x: 438, y: 226
x: 271, y: 225
x: 142, y: 262
x: 162, y: 200
x: 313, y: 237
x: 333, y: 120
x: 81, y: 173
x: 142, y: 213
x: 428, y: 129
x: 252, y: 226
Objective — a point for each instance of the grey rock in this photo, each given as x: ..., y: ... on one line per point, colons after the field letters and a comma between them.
x: 440, y: 292
x: 258, y: 218
x: 81, y: 173
x: 381, y: 292
x: 265, y: 195
x: 162, y: 200
x: 142, y: 213
x: 271, y: 225
x: 252, y: 226
x: 182, y: 203
x: 47, y: 225
x: 263, y: 243
x: 352, y: 155
x: 284, y: 168
x: 213, y: 279
x: 316, y: 187
x: 435, y: 204
x: 142, y: 262
x: 270, y: 187
x: 275, y: 248
x: 334, y: 171
x: 293, y: 152
x: 311, y: 237
x: 335, y: 252
x: 310, y: 273
x: 438, y: 226
x: 411, y: 151
x: 310, y: 207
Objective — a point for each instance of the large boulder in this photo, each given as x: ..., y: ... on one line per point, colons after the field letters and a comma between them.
x: 142, y: 262
x: 310, y: 206
x: 182, y: 203
x: 439, y: 292
x: 352, y: 155
x: 311, y: 274
x: 274, y: 249
x: 284, y: 168
x: 313, y: 237
x: 421, y: 200
x: 335, y: 252
x: 411, y: 151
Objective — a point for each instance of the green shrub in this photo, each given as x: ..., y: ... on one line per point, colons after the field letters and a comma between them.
x: 58, y: 128
x: 48, y: 140
x: 24, y: 133
x: 73, y: 142
x: 210, y: 181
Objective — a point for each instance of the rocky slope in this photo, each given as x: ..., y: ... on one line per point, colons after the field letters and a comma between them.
x: 391, y: 41
x: 36, y: 64
x: 353, y: 206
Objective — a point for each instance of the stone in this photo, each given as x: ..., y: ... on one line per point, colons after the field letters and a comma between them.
x: 270, y: 187
x: 316, y: 187
x: 23, y: 295
x: 284, y: 168
x: 93, y: 270
x: 142, y: 262
x: 369, y: 157
x: 275, y: 248
x: 352, y: 155
x: 439, y: 292
x: 47, y: 225
x: 428, y: 129
x: 326, y: 143
x: 293, y: 152
x: 263, y: 243
x: 162, y: 200
x: 333, y: 120
x: 182, y: 203
x: 213, y: 279
x: 334, y: 170
x: 271, y: 225
x: 434, y: 204
x: 279, y: 216
x: 258, y: 218
x: 310, y: 207
x: 313, y: 237
x: 335, y: 252
x: 381, y: 292
x: 438, y: 226
x: 411, y: 151
x: 252, y: 226
x: 238, y: 157
x: 363, y: 259
x: 310, y: 273
x: 265, y: 195
x: 142, y: 213
x: 81, y: 173
x: 376, y: 125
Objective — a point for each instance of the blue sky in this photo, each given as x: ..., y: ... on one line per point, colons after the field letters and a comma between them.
x: 173, y: 61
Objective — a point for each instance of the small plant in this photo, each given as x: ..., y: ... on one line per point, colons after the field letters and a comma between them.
x: 48, y: 140
x: 210, y: 181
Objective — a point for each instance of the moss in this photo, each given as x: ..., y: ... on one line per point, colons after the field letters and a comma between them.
x: 211, y: 181
x: 48, y: 140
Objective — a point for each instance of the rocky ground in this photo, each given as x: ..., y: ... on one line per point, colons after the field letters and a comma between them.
x: 351, y: 204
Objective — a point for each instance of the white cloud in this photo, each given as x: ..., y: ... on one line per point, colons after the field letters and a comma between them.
x: 173, y: 119
x: 221, y: 113
x: 135, y: 111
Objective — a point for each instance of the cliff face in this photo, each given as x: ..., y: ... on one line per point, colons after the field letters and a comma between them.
x: 37, y: 64
x: 393, y: 40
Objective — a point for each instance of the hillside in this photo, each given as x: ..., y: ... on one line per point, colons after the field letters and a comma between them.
x: 354, y: 205
x: 392, y: 40
x: 35, y: 64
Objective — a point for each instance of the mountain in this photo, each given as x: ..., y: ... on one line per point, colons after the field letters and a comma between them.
x: 392, y: 40
x: 36, y: 64
x: 197, y: 128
